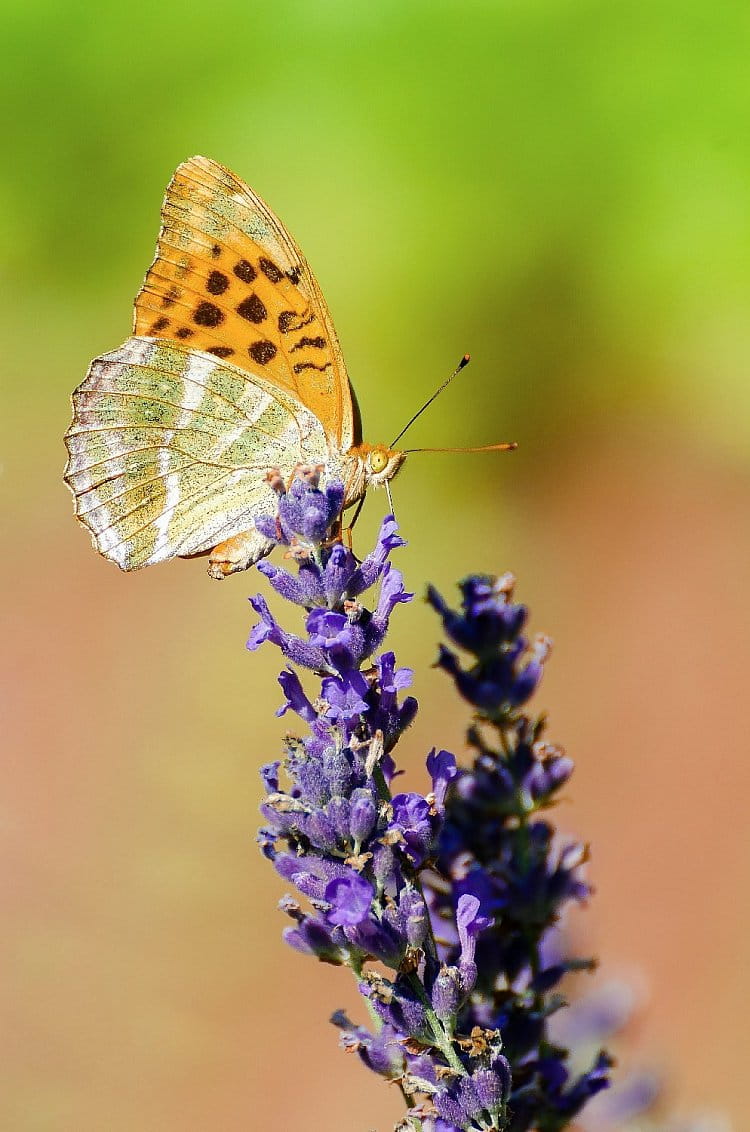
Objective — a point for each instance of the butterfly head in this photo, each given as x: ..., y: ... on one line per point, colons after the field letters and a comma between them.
x: 380, y: 463
x: 370, y: 465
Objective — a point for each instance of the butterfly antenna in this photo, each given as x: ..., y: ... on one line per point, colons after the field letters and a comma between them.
x: 508, y: 446
x: 461, y: 365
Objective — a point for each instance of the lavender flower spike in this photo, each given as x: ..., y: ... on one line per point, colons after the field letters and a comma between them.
x: 437, y: 901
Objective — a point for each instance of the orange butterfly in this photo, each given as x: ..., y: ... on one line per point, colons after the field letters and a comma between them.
x: 234, y: 367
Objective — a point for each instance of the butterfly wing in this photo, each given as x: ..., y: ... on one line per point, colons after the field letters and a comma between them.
x: 169, y: 447
x: 228, y: 279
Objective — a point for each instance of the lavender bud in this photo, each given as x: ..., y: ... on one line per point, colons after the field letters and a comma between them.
x: 363, y: 814
x: 491, y: 1086
x: 338, y: 772
x: 321, y: 831
x: 404, y: 1012
x: 338, y: 812
x: 447, y: 993
x: 414, y: 913
x: 385, y: 867
x: 460, y: 1103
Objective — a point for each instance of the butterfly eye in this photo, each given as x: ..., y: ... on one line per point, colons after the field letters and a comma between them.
x: 378, y: 460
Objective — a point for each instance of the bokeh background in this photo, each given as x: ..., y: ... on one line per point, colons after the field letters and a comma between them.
x: 560, y: 187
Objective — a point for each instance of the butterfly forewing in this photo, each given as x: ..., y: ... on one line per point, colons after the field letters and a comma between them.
x: 229, y: 280
x: 169, y: 446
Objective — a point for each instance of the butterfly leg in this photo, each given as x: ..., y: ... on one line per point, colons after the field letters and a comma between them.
x: 341, y: 534
x: 238, y: 553
x: 346, y: 532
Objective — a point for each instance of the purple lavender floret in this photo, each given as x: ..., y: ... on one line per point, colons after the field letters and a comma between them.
x: 505, y: 671
x: 306, y: 514
x: 451, y: 890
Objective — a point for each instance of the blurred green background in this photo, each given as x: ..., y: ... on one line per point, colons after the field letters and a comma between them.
x: 560, y: 188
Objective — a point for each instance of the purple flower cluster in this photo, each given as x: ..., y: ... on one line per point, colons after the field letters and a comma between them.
x: 450, y: 891
x: 505, y: 674
x: 496, y: 846
x: 341, y: 633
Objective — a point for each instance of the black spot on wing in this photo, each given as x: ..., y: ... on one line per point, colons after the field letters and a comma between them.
x: 244, y: 271
x: 207, y: 314
x: 300, y: 366
x: 270, y: 270
x: 319, y: 343
x: 262, y: 352
x: 252, y: 309
x: 217, y: 283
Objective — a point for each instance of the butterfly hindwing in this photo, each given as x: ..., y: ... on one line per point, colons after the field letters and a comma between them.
x: 229, y: 280
x: 169, y: 447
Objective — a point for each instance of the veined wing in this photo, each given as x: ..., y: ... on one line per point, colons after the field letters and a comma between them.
x: 169, y: 447
x: 228, y: 279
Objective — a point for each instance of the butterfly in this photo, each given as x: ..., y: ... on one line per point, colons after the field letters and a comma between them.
x: 233, y: 369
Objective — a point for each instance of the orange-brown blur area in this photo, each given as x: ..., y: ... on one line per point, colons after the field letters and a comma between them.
x: 561, y: 189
